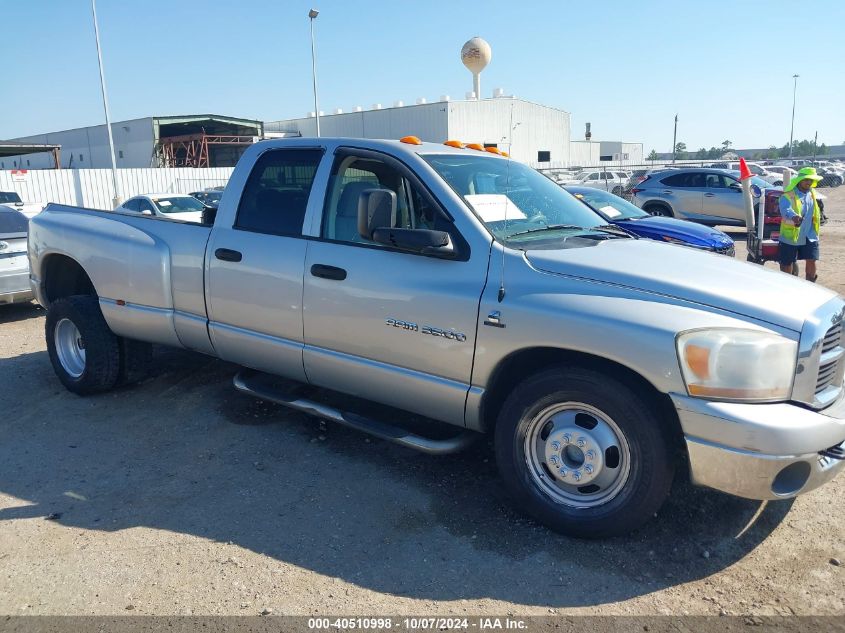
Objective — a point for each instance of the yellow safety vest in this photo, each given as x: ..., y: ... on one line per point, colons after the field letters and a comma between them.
x: 788, y: 231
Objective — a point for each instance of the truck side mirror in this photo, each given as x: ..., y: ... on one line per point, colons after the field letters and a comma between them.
x: 376, y: 210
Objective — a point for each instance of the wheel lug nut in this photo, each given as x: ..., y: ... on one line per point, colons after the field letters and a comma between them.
x: 555, y: 460
x: 556, y: 446
x: 566, y: 438
x: 590, y: 455
x: 581, y: 442
x: 588, y: 469
x: 576, y: 475
x: 563, y: 473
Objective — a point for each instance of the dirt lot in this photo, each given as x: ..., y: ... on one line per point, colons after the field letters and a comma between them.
x: 181, y: 496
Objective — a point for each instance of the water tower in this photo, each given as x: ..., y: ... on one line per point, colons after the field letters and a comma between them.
x: 475, y: 55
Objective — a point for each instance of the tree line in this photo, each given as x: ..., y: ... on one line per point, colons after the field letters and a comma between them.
x: 799, y: 148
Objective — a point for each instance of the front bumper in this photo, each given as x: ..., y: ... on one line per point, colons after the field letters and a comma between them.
x: 761, y: 451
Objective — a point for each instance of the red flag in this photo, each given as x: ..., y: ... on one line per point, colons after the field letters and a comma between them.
x: 744, y: 172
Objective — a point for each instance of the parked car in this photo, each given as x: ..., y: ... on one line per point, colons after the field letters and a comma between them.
x: 778, y: 174
x: 209, y: 197
x: 709, y: 196
x: 637, y: 176
x: 831, y: 177
x: 13, y: 199
x: 173, y: 206
x: 14, y: 264
x: 472, y: 290
x: 622, y: 213
x: 612, y: 181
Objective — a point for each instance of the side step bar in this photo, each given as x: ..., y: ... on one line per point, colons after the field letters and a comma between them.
x: 248, y: 381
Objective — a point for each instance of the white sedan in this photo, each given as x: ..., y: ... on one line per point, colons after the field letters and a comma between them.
x: 612, y: 181
x: 172, y: 206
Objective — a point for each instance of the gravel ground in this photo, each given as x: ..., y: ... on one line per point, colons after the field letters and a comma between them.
x: 182, y: 496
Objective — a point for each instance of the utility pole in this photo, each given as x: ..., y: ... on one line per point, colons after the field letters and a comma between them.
x: 675, y: 139
x: 815, y: 146
x: 792, y: 126
x: 117, y: 197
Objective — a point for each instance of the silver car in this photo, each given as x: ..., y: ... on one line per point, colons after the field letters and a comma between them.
x: 14, y: 264
x: 709, y: 196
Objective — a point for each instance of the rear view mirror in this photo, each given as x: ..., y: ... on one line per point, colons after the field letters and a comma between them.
x: 376, y: 210
x: 735, y: 186
x: 146, y: 212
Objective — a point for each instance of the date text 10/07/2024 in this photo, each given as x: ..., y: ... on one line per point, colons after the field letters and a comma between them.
x: 417, y: 624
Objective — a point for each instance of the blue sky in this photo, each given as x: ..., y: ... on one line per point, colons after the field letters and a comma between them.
x: 627, y: 67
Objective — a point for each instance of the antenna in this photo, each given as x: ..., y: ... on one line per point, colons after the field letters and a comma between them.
x: 507, y: 202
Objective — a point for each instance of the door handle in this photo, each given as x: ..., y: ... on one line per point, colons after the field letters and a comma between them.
x: 709, y: 195
x: 228, y: 255
x: 667, y: 192
x: 328, y: 272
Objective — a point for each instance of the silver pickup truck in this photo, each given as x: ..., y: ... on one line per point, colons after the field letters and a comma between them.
x: 461, y: 287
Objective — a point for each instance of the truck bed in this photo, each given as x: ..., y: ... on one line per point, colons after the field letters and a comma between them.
x: 140, y: 266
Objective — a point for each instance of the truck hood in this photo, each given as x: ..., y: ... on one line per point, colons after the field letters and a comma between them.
x: 700, y: 277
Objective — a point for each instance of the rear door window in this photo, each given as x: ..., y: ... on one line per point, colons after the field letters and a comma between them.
x: 9, y: 197
x: 132, y: 205
x: 717, y: 181
x: 276, y: 194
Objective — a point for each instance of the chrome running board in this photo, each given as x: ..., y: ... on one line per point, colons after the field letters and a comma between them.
x: 250, y: 382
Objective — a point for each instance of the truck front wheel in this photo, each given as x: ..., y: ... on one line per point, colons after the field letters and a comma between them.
x: 583, y: 453
x: 84, y: 352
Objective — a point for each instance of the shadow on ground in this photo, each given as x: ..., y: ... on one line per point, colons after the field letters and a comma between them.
x: 184, y: 452
x: 11, y: 313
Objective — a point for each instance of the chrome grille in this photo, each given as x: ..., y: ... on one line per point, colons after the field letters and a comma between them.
x: 829, y: 370
x: 820, y: 370
x: 832, y: 338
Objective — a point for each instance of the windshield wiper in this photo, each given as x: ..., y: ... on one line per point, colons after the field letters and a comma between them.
x: 550, y: 227
x: 612, y: 228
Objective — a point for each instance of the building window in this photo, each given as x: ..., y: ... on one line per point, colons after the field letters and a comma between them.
x: 491, y: 145
x: 604, y: 158
x: 27, y: 162
x: 120, y: 153
x: 544, y: 156
x: 81, y: 158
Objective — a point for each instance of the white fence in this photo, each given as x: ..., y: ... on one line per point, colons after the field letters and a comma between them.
x: 93, y: 188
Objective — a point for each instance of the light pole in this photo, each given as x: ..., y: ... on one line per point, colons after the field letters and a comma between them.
x: 792, y: 126
x: 674, y: 139
x: 117, y: 198
x: 312, y: 14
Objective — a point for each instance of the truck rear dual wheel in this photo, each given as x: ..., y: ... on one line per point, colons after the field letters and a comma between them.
x: 86, y: 355
x: 583, y: 453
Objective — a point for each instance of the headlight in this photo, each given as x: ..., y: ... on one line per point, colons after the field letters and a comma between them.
x: 734, y: 364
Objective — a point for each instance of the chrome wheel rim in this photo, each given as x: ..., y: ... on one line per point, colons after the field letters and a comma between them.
x: 70, y: 348
x: 577, y: 455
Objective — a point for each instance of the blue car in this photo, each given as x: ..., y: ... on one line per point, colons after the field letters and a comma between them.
x: 631, y: 218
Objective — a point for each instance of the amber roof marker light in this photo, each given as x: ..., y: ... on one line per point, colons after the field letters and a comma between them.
x: 410, y: 140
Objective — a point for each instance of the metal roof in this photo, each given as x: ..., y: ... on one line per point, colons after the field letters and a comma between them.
x: 12, y: 148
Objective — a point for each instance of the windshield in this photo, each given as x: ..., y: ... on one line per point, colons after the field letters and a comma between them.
x: 7, y: 197
x: 609, y: 205
x: 178, y: 204
x: 513, y: 199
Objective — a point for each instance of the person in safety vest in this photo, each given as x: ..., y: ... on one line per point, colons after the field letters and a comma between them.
x: 799, y: 225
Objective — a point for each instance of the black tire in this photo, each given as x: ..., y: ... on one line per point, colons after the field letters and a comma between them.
x: 658, y: 210
x: 101, y: 363
x: 135, y: 360
x: 650, y: 467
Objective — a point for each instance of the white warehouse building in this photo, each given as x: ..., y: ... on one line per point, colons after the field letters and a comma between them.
x: 535, y: 134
